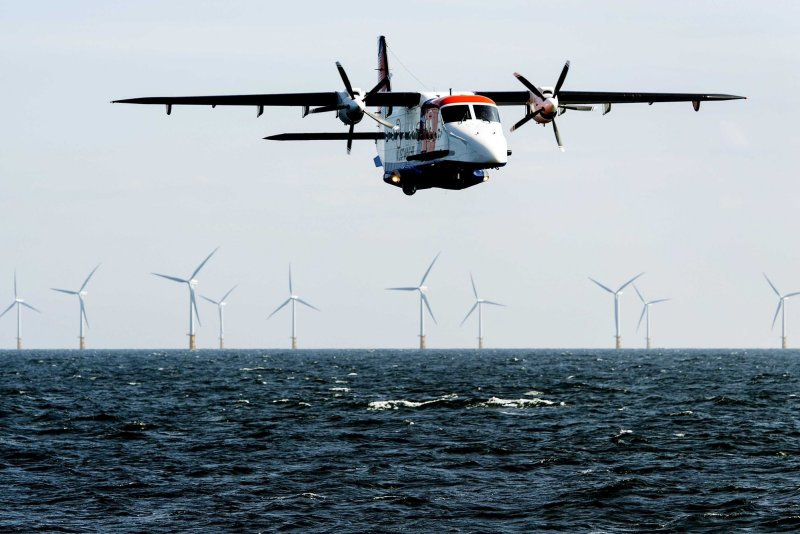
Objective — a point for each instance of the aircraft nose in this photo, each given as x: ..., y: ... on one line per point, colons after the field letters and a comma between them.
x: 493, y: 149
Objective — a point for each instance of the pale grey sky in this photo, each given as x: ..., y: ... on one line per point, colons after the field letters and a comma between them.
x: 702, y: 202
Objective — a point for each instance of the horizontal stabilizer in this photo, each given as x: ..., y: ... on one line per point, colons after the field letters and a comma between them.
x: 324, y: 136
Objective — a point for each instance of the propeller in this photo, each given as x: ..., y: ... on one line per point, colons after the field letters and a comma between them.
x: 549, y: 108
x: 352, y: 105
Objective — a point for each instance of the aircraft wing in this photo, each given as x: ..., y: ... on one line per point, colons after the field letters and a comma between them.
x: 329, y: 98
x: 566, y: 98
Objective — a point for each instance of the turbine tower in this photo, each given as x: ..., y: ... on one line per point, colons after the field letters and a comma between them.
x: 191, y: 282
x: 479, y: 302
x: 293, y: 299
x: 18, y: 302
x: 80, y: 293
x: 646, y: 314
x: 423, y: 302
x: 781, y: 309
x: 617, y: 294
x: 221, y: 307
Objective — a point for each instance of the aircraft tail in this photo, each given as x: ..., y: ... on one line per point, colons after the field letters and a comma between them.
x: 383, y: 63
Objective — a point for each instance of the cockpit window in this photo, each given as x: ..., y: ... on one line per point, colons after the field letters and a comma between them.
x: 486, y: 113
x: 456, y: 113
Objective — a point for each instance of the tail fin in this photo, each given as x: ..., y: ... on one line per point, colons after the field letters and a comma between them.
x: 383, y: 68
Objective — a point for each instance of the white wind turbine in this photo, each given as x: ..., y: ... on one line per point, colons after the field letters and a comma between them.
x: 293, y: 299
x: 781, y: 309
x: 80, y: 293
x: 220, y: 304
x: 18, y: 302
x: 479, y: 302
x: 423, y: 302
x: 617, y: 294
x: 646, y: 314
x: 191, y: 282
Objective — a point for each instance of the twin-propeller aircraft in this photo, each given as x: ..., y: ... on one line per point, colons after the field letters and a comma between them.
x: 429, y: 139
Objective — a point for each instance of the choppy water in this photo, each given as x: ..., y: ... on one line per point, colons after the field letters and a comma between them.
x: 398, y: 441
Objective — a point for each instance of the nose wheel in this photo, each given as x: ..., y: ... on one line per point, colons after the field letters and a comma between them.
x: 409, y: 189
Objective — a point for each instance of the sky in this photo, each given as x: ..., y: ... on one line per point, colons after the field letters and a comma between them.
x: 702, y: 203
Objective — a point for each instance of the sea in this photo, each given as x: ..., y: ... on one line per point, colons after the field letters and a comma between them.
x: 400, y: 441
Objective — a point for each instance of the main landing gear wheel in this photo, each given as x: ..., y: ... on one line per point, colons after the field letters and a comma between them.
x: 409, y: 189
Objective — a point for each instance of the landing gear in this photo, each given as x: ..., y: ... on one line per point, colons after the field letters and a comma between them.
x: 409, y: 189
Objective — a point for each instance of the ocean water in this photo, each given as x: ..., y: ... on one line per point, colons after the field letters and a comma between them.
x: 399, y: 441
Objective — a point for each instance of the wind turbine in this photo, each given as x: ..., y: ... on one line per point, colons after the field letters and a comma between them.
x: 479, y: 302
x: 221, y: 307
x: 293, y: 299
x: 18, y: 302
x: 617, y: 294
x: 80, y: 293
x: 192, y: 283
x: 781, y: 309
x: 423, y: 302
x: 646, y: 313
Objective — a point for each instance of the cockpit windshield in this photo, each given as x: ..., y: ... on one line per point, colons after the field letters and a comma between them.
x: 456, y: 113
x: 486, y: 113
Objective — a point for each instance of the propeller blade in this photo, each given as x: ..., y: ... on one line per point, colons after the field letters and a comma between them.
x: 775, y: 289
x: 474, y: 291
x: 558, y: 136
x: 640, y: 295
x: 777, y: 311
x: 279, y: 307
x: 67, y: 291
x: 424, y: 276
x: 601, y: 285
x: 427, y: 305
x: 525, y: 119
x: 204, y: 262
x: 345, y: 80
x: 472, y: 309
x: 644, y: 310
x: 194, y: 305
x: 30, y: 307
x: 173, y: 278
x: 626, y: 284
x: 7, y: 309
x: 381, y: 84
x: 378, y: 118
x: 561, y: 79
x: 88, y: 278
x: 83, y: 314
x: 301, y: 301
x: 228, y: 293
x: 350, y: 138
x: 532, y: 88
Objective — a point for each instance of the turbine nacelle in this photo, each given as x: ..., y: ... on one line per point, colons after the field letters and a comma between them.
x: 351, y: 110
x: 193, y: 283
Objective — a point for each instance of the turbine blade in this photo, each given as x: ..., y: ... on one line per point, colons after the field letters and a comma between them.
x: 777, y: 311
x: 210, y: 300
x: 424, y: 276
x: 15, y: 285
x: 638, y: 293
x: 787, y: 295
x: 472, y: 309
x: 67, y: 291
x: 626, y: 284
x: 775, y: 289
x: 173, y: 278
x: 427, y: 305
x: 279, y: 307
x: 474, y: 291
x: 301, y: 301
x: 83, y: 314
x: 7, y: 309
x: 601, y: 285
x: 88, y: 278
x: 494, y: 303
x: 290, y: 280
x: 402, y: 288
x: 204, y: 262
x: 658, y: 300
x: 228, y: 293
x: 644, y: 310
x: 194, y: 305
x: 30, y: 307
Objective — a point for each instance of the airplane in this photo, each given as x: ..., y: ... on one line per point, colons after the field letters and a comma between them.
x: 445, y: 140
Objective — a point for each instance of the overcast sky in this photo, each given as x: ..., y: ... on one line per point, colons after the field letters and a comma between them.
x: 703, y: 203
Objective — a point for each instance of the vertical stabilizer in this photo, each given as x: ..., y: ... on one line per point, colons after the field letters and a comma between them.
x: 383, y: 68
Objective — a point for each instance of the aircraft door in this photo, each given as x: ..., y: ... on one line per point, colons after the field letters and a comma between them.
x: 430, y: 125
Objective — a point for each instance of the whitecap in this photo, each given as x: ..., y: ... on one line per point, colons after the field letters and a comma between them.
x: 516, y: 403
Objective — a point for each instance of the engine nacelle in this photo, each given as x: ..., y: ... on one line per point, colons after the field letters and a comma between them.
x: 351, y: 110
x: 547, y: 106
